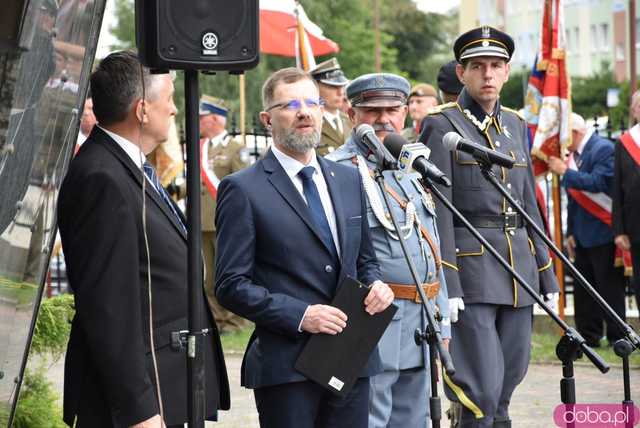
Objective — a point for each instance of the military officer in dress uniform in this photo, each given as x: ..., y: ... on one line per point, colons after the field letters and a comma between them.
x: 491, y: 339
x: 422, y: 98
x: 221, y: 156
x: 336, y: 125
x: 399, y: 395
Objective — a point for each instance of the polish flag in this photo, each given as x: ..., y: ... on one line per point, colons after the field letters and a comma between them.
x: 279, y: 23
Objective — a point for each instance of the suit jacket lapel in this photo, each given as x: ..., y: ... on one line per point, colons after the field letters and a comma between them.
x: 336, y: 200
x: 281, y: 181
x: 136, y: 174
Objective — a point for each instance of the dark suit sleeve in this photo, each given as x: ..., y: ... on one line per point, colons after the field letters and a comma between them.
x: 546, y: 274
x: 367, y: 263
x: 597, y: 180
x: 100, y: 239
x: 235, y: 261
x: 617, y: 193
x: 434, y: 128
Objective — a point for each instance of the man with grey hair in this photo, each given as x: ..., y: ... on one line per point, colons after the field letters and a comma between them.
x: 291, y: 228
x: 125, y: 245
x: 588, y: 179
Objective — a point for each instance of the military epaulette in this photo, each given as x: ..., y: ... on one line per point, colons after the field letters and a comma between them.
x: 516, y: 112
x: 438, y: 109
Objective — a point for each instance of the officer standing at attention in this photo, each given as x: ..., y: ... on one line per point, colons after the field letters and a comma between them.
x: 399, y: 395
x: 221, y: 155
x: 422, y: 98
x: 336, y: 125
x: 491, y: 339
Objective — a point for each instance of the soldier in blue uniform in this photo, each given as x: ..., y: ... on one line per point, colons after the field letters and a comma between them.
x: 491, y: 339
x: 399, y: 395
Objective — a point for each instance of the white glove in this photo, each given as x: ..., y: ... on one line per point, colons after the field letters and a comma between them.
x: 551, y: 299
x: 455, y: 304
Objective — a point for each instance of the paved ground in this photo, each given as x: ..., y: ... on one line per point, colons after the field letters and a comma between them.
x: 532, y: 406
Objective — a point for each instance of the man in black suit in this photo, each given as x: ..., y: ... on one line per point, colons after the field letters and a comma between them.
x: 127, y: 265
x: 290, y: 229
x: 626, y: 193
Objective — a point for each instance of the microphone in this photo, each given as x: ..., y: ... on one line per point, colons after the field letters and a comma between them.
x: 453, y: 141
x: 367, y: 135
x: 414, y: 156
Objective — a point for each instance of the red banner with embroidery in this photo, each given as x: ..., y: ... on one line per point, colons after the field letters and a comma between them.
x: 209, y: 177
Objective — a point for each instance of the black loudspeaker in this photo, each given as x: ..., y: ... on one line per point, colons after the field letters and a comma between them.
x: 198, y: 34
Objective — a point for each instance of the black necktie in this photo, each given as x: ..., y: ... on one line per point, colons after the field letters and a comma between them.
x: 150, y: 172
x: 315, y: 206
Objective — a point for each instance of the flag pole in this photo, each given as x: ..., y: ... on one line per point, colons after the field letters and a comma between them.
x: 302, y: 49
x: 557, y: 235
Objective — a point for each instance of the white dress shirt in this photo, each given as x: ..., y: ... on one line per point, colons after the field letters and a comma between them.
x: 292, y: 167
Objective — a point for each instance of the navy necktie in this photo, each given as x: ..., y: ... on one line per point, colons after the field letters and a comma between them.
x: 315, y: 207
x: 150, y: 172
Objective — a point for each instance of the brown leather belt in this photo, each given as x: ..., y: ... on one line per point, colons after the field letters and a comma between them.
x: 409, y: 292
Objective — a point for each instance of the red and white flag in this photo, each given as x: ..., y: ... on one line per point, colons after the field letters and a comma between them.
x: 285, y: 30
x: 547, y: 106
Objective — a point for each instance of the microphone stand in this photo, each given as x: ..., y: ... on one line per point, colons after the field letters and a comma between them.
x: 572, y: 344
x: 432, y: 333
x: 567, y: 351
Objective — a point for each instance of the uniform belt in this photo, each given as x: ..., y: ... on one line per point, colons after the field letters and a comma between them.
x: 409, y: 292
x: 509, y: 221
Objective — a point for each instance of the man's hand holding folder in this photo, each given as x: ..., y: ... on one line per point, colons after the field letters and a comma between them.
x: 331, y: 320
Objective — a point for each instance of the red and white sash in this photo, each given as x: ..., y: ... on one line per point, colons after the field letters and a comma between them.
x: 209, y: 177
x: 597, y: 204
x: 631, y: 141
x: 600, y: 206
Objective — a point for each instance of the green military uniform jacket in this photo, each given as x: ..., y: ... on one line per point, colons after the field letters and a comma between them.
x: 331, y: 138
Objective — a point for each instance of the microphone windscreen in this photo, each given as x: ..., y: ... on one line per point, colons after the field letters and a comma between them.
x: 450, y: 140
x: 394, y: 142
x: 363, y: 129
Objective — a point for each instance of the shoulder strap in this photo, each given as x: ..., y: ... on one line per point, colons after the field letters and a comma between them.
x: 457, y: 123
x: 423, y: 230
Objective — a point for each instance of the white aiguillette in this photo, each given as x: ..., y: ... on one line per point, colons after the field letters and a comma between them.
x: 336, y: 362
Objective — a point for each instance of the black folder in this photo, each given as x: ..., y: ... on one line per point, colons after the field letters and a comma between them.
x: 335, y: 362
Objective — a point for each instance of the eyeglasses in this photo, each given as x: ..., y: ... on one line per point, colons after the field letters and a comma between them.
x: 295, y: 105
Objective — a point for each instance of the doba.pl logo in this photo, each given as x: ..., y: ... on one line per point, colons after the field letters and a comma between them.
x: 596, y: 415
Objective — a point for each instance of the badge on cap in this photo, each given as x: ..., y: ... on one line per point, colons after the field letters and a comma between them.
x: 486, y: 32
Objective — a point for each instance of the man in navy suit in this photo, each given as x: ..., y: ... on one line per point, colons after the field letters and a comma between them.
x: 589, y: 182
x: 290, y: 229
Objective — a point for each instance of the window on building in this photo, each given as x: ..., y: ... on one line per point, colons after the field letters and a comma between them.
x: 567, y: 38
x: 576, y: 40
x: 594, y: 37
x: 604, y: 36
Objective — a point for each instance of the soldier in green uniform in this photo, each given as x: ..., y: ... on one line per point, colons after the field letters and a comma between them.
x: 336, y: 125
x: 491, y: 339
x: 221, y: 155
x: 422, y: 98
